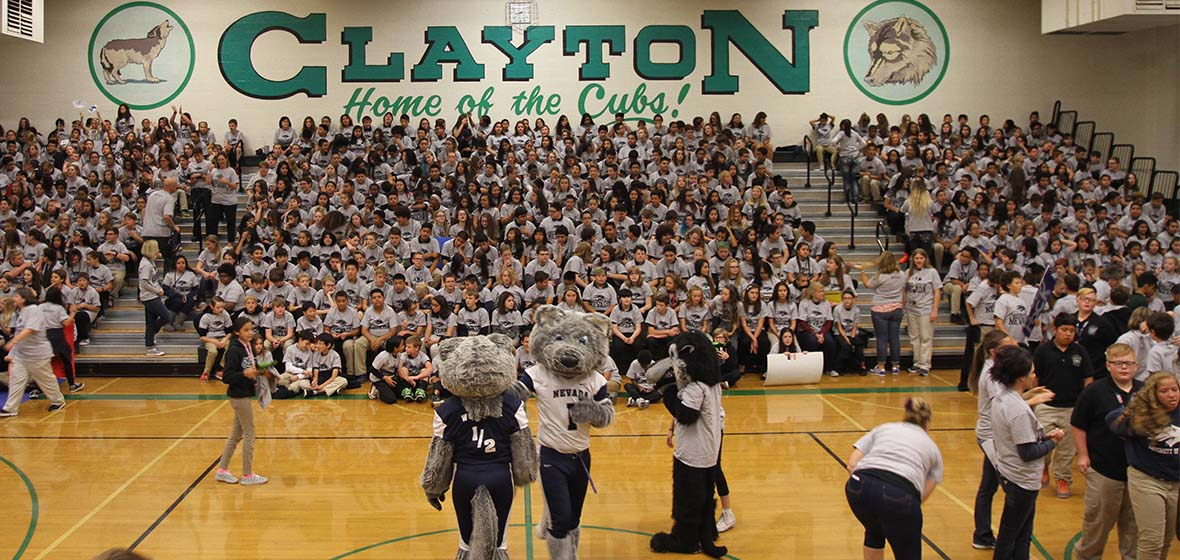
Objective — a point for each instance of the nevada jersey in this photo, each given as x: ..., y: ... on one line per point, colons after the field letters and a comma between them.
x: 486, y: 441
x: 555, y: 396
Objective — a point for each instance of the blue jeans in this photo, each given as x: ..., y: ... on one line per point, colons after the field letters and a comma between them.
x: 888, y: 335
x: 848, y: 173
x: 888, y: 513
x: 155, y: 315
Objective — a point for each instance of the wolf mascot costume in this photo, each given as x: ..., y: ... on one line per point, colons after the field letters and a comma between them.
x: 570, y: 350
x: 482, y: 439
x: 695, y: 402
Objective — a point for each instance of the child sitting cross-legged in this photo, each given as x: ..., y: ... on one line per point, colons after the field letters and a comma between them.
x: 327, y: 367
x: 641, y: 391
x: 414, y: 371
x: 298, y: 367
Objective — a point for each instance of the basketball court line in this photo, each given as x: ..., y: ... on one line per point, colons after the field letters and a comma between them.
x: 85, y: 518
x: 35, y: 507
x: 176, y: 503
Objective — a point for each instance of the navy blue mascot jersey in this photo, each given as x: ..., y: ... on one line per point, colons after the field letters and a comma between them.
x: 483, y: 442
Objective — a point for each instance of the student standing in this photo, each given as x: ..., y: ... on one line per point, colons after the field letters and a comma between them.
x: 1017, y: 450
x: 1151, y: 426
x: 30, y: 355
x: 151, y: 295
x: 57, y: 320
x: 1102, y: 459
x: 922, y: 294
x: 1064, y: 368
x: 241, y: 373
x: 894, y: 469
x: 888, y: 286
x: 1095, y: 332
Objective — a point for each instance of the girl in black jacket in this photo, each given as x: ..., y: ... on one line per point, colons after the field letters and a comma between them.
x: 240, y: 376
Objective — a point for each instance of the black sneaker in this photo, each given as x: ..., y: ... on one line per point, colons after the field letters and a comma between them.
x: 34, y: 394
x: 57, y: 407
x: 983, y: 544
x: 77, y: 387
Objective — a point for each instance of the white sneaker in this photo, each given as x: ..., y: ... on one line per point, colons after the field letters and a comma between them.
x: 226, y: 477
x: 154, y: 352
x: 834, y: 373
x: 6, y: 414
x: 84, y: 342
x: 630, y: 402
x: 253, y: 479
x: 642, y: 403
x: 373, y: 393
x: 727, y: 521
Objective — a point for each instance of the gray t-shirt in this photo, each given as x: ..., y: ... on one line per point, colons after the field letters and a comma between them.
x: 34, y: 348
x: 379, y: 322
x: 920, y: 286
x: 887, y: 288
x: 1013, y: 423
x: 699, y: 444
x: 903, y: 449
x: 159, y: 204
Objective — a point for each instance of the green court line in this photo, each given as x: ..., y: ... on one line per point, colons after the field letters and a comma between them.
x: 1040, y: 548
x: 365, y: 397
x: 1073, y: 543
x: 528, y: 523
x: 36, y: 508
x: 525, y: 525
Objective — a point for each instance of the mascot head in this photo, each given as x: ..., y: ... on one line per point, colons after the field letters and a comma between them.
x: 572, y: 345
x: 477, y: 367
x: 691, y: 357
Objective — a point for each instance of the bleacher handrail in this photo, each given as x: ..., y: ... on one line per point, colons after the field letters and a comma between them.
x: 808, y: 153
x: 1056, y: 112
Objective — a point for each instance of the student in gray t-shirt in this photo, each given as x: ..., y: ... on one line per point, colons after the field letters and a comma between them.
x: 1017, y: 450
x: 923, y: 290
x: 31, y: 355
x: 894, y: 468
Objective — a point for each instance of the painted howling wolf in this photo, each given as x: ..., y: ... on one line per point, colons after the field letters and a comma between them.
x: 118, y: 53
x: 901, y: 52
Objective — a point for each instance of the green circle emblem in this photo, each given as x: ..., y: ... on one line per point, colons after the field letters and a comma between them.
x: 141, y: 54
x: 896, y: 51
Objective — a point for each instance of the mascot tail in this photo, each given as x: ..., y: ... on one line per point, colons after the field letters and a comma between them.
x: 485, y: 527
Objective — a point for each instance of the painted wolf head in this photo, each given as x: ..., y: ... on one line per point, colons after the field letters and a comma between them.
x: 160, y: 31
x: 901, y: 52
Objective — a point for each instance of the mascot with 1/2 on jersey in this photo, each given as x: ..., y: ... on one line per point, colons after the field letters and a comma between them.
x: 695, y: 403
x: 482, y: 438
x: 570, y: 350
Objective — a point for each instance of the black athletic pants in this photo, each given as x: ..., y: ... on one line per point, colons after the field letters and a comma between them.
x: 386, y: 392
x: 497, y: 478
x: 988, y: 484
x: 199, y: 200
x: 1016, y: 523
x: 564, y: 477
x: 62, y: 351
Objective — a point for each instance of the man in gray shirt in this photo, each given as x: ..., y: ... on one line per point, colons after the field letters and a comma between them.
x: 158, y: 222
x: 31, y: 355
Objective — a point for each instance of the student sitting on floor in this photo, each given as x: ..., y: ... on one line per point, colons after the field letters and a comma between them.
x: 641, y: 391
x: 297, y: 367
x: 383, y: 371
x: 328, y: 379
x: 414, y: 372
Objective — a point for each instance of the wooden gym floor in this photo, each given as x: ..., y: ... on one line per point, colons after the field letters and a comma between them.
x: 129, y: 463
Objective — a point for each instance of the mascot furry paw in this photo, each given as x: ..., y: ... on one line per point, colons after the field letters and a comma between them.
x: 695, y: 403
x: 570, y: 350
x: 484, y: 430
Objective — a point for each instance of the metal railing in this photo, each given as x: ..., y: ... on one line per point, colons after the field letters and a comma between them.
x: 1066, y: 121
x: 808, y: 153
x: 1164, y: 182
x: 1083, y: 133
x: 884, y: 246
x: 1144, y: 170
x: 1102, y: 143
x: 1125, y: 153
x: 1056, y: 111
x: 852, y: 200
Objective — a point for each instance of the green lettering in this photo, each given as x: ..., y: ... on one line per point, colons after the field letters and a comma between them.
x: 518, y: 67
x: 358, y: 70
x: 730, y: 26
x: 445, y: 44
x: 679, y: 35
x: 237, y: 67
x: 593, y: 36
